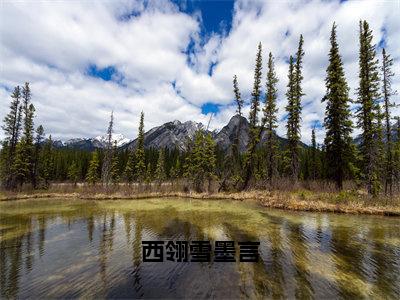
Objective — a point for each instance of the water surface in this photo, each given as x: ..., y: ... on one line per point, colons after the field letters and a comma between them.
x: 75, y: 248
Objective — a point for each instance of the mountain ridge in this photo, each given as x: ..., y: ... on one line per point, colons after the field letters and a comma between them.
x: 173, y: 135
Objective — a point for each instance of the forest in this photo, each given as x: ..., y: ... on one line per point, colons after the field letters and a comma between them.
x: 29, y: 160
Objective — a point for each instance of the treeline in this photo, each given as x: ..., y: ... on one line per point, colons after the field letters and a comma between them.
x: 28, y: 158
x: 375, y: 163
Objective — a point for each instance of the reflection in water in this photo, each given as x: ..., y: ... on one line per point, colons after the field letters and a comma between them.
x: 60, y: 248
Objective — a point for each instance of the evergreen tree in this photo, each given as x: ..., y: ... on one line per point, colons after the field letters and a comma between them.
x: 294, y: 108
x: 108, y: 156
x: 256, y: 97
x: 28, y: 111
x: 160, y: 171
x: 368, y: 108
x: 313, y: 156
x: 188, y: 165
x: 149, y: 173
x: 293, y: 124
x: 21, y: 166
x: 380, y: 145
x: 129, y: 172
x: 295, y: 116
x: 200, y: 163
x: 114, y: 168
x: 175, y: 171
x: 12, y: 121
x: 270, y: 119
x: 396, y: 152
x: 73, y: 173
x: 26, y: 159
x: 140, y: 166
x: 36, y: 160
x: 254, y: 129
x: 298, y: 75
x: 12, y: 129
x: 231, y: 166
x: 92, y: 175
x: 337, y: 122
x: 210, y: 159
x: 387, y: 74
x: 238, y: 97
x: 239, y: 106
x: 46, y: 162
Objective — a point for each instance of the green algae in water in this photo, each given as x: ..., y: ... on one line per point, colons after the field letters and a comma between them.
x: 74, y: 248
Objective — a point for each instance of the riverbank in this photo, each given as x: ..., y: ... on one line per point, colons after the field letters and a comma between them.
x: 303, y: 200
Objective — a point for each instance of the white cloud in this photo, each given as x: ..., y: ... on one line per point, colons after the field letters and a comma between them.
x: 51, y: 45
x: 278, y: 24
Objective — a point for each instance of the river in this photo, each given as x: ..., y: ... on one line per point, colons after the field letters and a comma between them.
x: 63, y: 248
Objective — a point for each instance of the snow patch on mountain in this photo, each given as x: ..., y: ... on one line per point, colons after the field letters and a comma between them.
x: 119, y: 138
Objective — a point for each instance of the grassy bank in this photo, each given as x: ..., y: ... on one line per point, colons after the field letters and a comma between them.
x: 354, y: 202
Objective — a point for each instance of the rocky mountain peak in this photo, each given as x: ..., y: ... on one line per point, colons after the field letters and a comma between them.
x: 169, y: 135
x: 174, y: 135
x: 236, y: 125
x: 119, y: 138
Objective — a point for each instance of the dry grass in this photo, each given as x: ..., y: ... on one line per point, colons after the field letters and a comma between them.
x: 300, y: 199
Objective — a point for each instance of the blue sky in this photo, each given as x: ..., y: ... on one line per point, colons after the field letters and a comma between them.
x: 216, y: 15
x: 174, y: 59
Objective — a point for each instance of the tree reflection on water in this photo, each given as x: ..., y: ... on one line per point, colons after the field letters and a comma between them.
x: 60, y: 248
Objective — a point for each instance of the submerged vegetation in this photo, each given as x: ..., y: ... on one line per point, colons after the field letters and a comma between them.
x: 339, y: 167
x: 92, y: 249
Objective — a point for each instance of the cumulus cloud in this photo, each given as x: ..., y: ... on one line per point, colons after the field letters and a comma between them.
x: 278, y: 25
x: 164, y: 64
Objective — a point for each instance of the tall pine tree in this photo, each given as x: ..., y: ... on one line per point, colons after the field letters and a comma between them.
x: 108, y: 154
x: 12, y: 130
x: 396, y: 152
x: 160, y: 170
x: 46, y: 162
x: 298, y: 75
x: 73, y: 173
x: 129, y: 172
x: 254, y: 128
x: 337, y: 122
x: 270, y: 119
x: 387, y: 74
x: 293, y: 123
x: 27, y: 148
x: 22, y: 166
x: 368, y: 108
x: 114, y: 167
x: 36, y: 160
x: 236, y: 162
x: 238, y: 97
x: 239, y: 107
x: 200, y: 165
x: 92, y: 175
x: 294, y: 95
x: 313, y: 156
x: 140, y: 166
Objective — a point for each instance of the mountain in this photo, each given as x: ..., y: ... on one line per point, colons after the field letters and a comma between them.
x: 358, y: 139
x: 170, y: 135
x: 226, y: 136
x: 116, y: 137
x: 91, y: 144
x: 173, y: 135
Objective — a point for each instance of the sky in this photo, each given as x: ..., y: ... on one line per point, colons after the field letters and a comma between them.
x: 175, y: 59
